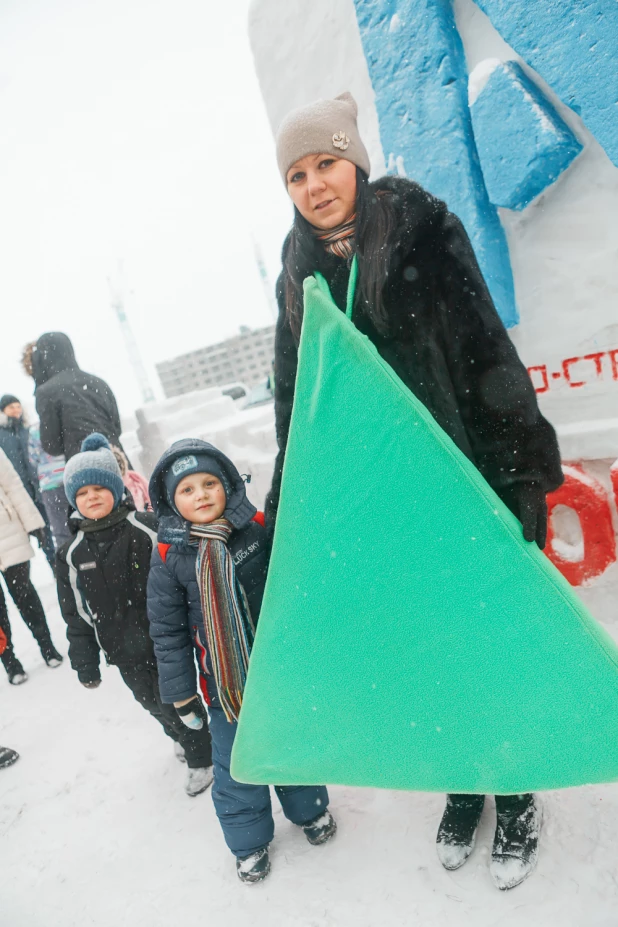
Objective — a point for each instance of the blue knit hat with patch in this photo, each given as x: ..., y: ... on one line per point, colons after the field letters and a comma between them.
x: 193, y: 463
x: 94, y: 466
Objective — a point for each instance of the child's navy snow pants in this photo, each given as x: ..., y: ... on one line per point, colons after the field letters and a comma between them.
x: 245, y: 810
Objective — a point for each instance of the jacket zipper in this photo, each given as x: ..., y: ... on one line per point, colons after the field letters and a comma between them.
x: 96, y: 634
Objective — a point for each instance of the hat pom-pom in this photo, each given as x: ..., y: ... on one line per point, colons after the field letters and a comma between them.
x: 94, y: 442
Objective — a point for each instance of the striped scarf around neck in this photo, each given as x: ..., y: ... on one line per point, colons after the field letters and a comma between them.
x: 227, y: 618
x: 340, y: 240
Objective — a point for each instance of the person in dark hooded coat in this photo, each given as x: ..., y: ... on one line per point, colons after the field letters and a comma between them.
x: 422, y: 301
x: 71, y: 404
x: 208, y: 574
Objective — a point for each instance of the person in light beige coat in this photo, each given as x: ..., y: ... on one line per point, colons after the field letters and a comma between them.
x: 19, y: 519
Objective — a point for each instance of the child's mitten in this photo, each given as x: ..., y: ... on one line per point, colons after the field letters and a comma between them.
x: 193, y: 714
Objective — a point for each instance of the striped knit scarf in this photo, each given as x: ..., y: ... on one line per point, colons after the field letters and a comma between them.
x: 340, y: 240
x: 227, y: 618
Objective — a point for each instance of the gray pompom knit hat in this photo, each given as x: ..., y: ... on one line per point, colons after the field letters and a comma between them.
x: 94, y: 466
x: 325, y: 126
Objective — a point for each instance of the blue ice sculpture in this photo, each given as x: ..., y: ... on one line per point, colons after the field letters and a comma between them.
x: 523, y: 144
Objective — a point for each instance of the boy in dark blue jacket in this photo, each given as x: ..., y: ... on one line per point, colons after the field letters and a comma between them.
x: 204, y: 596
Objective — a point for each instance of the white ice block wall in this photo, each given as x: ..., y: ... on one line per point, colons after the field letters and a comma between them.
x: 563, y: 247
x: 246, y: 436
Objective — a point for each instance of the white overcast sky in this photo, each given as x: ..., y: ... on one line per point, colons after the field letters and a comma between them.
x: 133, y: 130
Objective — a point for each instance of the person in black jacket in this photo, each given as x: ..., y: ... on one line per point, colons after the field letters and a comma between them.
x: 102, y: 575
x: 14, y: 442
x: 204, y: 596
x: 422, y: 301
x: 71, y: 404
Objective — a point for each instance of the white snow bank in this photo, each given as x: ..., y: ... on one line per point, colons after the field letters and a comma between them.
x: 96, y: 831
x: 247, y: 436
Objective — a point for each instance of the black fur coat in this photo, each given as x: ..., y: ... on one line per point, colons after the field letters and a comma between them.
x: 445, y: 341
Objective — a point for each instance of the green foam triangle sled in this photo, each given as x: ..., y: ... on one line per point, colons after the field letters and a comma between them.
x: 409, y: 637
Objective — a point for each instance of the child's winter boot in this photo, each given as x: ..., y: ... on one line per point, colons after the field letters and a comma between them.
x: 51, y: 655
x: 320, y: 829
x: 516, y: 843
x: 457, y: 831
x: 198, y: 780
x: 8, y: 757
x: 15, y: 671
x: 253, y: 868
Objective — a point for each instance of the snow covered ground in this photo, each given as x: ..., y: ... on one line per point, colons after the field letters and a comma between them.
x: 96, y: 831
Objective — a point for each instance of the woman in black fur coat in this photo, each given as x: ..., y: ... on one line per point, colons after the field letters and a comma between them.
x: 422, y: 300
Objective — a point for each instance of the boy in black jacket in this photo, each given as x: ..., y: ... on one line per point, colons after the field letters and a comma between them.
x: 102, y: 575
x: 204, y: 594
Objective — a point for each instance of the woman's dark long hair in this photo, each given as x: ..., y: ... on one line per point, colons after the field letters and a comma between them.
x: 373, y: 240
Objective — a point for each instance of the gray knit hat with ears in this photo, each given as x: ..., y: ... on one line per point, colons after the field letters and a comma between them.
x: 327, y: 126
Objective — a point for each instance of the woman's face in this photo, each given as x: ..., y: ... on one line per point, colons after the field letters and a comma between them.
x: 323, y: 189
x: 13, y: 410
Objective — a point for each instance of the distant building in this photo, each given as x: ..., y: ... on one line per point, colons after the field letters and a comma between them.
x: 246, y: 357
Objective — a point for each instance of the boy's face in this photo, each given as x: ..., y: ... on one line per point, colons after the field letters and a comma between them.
x: 200, y: 498
x: 94, y: 501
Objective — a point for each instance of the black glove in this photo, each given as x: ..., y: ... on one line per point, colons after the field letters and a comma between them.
x: 92, y: 685
x: 528, y: 502
x: 193, y: 714
x: 39, y: 535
